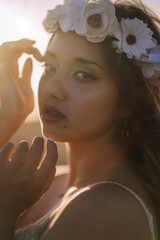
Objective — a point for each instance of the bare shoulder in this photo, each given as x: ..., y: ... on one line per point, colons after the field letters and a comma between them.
x: 104, y: 211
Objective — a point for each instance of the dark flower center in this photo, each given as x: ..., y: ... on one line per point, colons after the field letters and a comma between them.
x: 131, y: 39
x: 95, y: 21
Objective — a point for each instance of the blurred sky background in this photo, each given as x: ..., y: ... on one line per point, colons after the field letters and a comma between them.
x: 22, y: 19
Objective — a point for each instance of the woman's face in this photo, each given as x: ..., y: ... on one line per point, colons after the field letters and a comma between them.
x: 78, y: 99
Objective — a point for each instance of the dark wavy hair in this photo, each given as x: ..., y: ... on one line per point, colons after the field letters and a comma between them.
x: 141, y: 97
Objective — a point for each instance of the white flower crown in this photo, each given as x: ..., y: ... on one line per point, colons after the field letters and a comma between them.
x: 96, y: 19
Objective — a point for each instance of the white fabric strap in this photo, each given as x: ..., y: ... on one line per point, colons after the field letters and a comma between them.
x: 147, y: 212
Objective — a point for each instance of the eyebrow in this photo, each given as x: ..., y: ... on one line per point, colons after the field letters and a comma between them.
x: 78, y: 60
x: 85, y: 61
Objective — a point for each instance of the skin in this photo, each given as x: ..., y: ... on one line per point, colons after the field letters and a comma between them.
x: 84, y: 127
x: 90, y: 104
x: 15, y: 92
x: 64, y: 86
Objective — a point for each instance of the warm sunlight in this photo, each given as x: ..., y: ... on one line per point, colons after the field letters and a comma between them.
x: 22, y: 19
x: 24, y: 25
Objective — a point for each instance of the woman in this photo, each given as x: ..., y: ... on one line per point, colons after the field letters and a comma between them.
x: 99, y: 93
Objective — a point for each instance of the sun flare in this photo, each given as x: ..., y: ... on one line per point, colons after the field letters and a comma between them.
x: 23, y: 20
x: 17, y: 26
x: 23, y: 25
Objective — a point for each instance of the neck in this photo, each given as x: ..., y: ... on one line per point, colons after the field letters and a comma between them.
x: 94, y: 161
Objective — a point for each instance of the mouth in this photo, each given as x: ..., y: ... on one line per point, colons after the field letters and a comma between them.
x: 52, y: 114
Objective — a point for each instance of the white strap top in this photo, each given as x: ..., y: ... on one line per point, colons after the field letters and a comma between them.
x: 147, y: 212
x: 34, y: 231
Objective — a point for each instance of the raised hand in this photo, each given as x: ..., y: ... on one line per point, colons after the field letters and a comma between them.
x: 16, y: 95
x: 25, y: 174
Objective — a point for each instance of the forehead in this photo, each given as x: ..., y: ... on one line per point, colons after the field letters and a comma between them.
x: 71, y: 44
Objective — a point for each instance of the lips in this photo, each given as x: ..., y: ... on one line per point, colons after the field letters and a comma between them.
x: 52, y: 114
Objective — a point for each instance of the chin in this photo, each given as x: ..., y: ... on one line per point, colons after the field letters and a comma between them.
x: 53, y: 136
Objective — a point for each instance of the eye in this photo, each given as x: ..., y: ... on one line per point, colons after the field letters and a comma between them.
x: 48, y: 68
x: 85, y: 77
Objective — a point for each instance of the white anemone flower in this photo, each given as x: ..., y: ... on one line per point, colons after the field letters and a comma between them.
x: 73, y: 16
x: 93, y: 19
x: 68, y: 16
x: 134, y: 38
x: 100, y: 20
x: 51, y: 23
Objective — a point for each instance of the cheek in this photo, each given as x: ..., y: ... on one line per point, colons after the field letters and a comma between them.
x: 97, y: 107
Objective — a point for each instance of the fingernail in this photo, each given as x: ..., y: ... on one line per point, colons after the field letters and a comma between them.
x: 50, y: 140
x: 38, y: 140
x: 9, y: 144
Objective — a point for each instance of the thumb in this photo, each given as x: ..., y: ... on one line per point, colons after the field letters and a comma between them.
x: 27, y: 71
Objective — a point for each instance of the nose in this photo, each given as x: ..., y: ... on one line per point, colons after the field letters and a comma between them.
x: 55, y: 87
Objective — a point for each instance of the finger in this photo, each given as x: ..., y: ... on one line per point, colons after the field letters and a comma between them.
x: 47, y: 169
x: 34, y: 155
x: 11, y: 47
x: 19, y: 50
x: 5, y: 153
x: 19, y: 157
x: 27, y: 71
x: 37, y: 55
x: 13, y: 50
x: 32, y: 51
x: 18, y: 43
x: 23, y: 41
